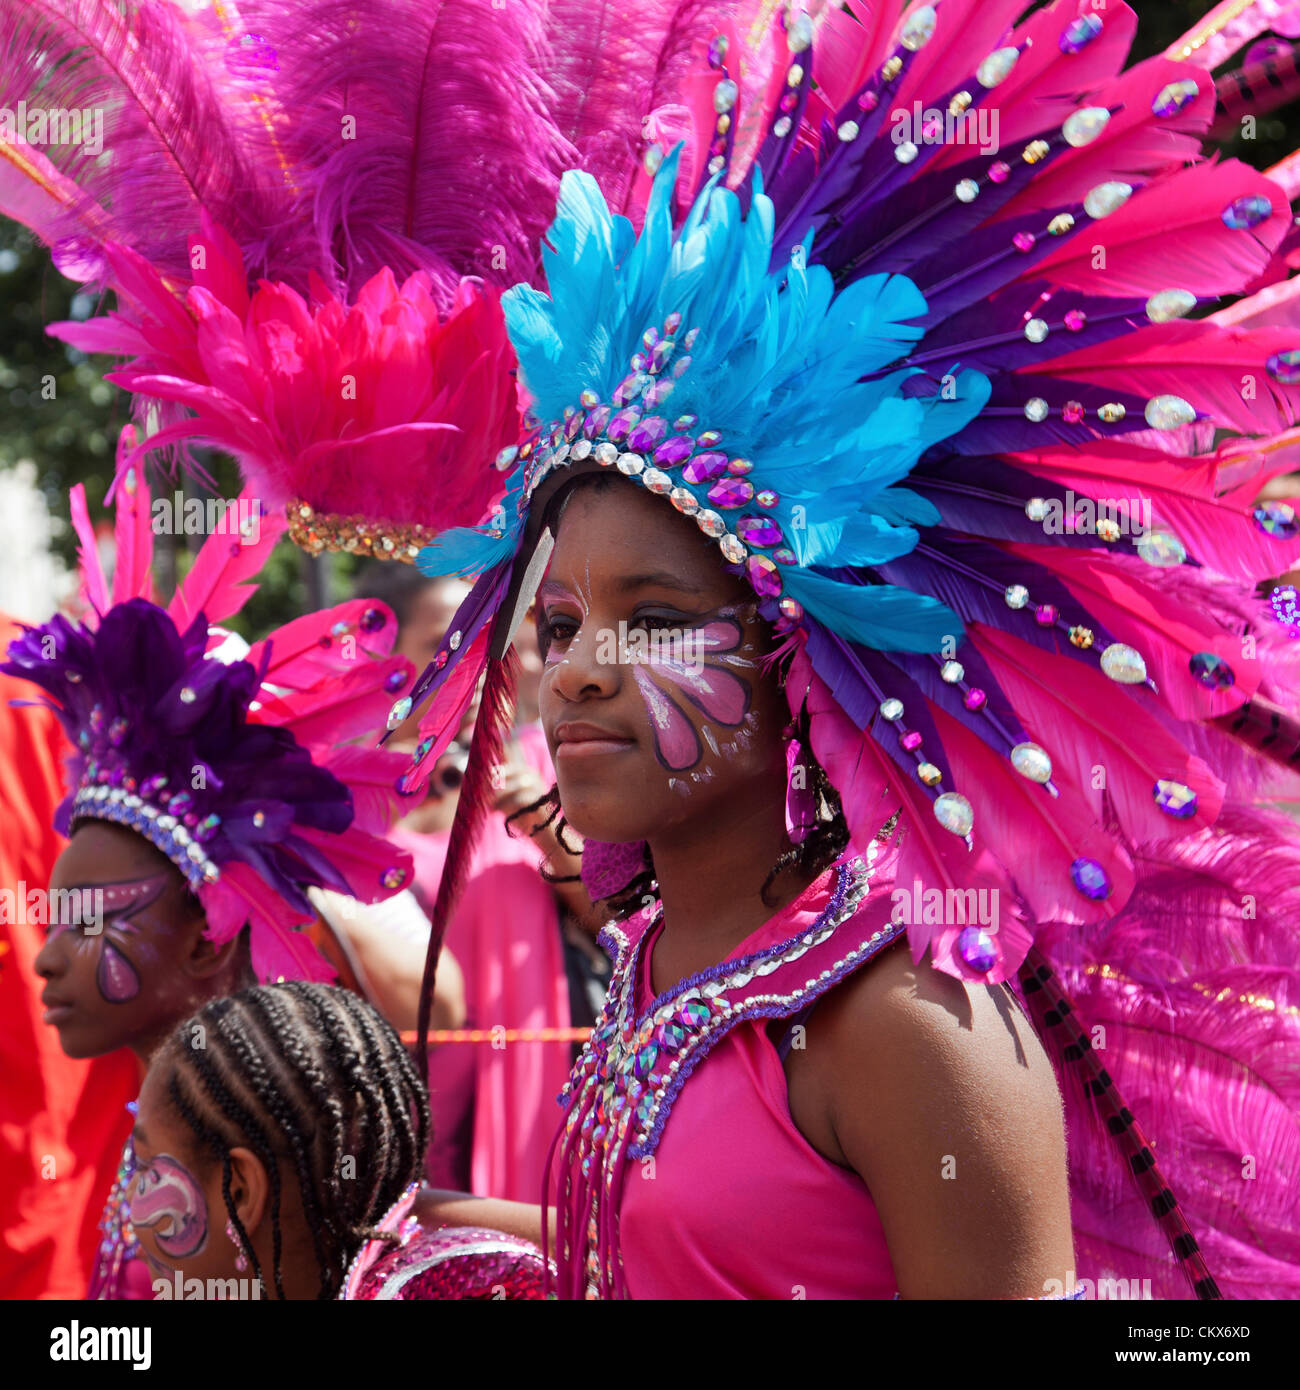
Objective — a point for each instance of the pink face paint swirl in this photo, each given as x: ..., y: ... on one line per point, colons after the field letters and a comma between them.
x: 677, y: 745
x: 168, y: 1200
x: 117, y: 978
x: 724, y: 698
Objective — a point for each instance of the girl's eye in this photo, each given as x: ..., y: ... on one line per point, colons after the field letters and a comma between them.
x: 555, y: 631
x: 658, y: 622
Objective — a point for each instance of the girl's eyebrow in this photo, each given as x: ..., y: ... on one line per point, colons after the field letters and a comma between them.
x: 659, y: 579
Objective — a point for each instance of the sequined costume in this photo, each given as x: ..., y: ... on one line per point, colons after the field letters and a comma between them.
x: 454, y: 1262
x: 120, y: 1271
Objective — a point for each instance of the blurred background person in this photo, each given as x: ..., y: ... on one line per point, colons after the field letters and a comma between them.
x: 524, y: 943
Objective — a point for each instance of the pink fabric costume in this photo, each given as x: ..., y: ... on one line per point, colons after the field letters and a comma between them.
x: 505, y: 934
x: 456, y: 1262
x: 693, y: 1230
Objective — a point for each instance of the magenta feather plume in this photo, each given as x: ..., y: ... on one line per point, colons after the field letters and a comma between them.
x: 612, y: 68
x: 1197, y: 994
x: 420, y: 133
x: 151, y: 82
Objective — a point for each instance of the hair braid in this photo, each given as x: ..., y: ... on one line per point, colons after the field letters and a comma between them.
x: 318, y: 1071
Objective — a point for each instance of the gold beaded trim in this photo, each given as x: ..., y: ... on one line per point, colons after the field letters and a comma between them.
x: 316, y: 532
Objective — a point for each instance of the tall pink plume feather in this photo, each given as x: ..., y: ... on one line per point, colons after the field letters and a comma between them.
x: 177, y: 146
x: 354, y: 705
x: 216, y: 584
x: 132, y: 532
x: 454, y: 168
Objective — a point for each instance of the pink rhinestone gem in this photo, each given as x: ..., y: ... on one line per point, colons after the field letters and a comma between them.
x: 763, y: 576
x: 784, y: 556
x: 1023, y: 241
x: 1045, y: 614
x: 975, y: 699
x: 731, y: 492
x: 999, y: 170
x: 758, y: 530
x: 1072, y: 412
x: 740, y: 466
x: 703, y: 468
x: 911, y: 741
x: 1075, y: 319
x: 868, y: 101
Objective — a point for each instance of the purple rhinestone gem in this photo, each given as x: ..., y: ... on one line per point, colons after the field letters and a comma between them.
x: 911, y: 741
x: 1248, y: 211
x: 670, y: 1035
x: 974, y: 699
x: 596, y: 421
x: 1090, y: 879
x: 703, y: 468
x: 117, y: 731
x: 758, y: 530
x: 181, y: 803
x: 763, y: 576
x: 621, y: 423
x: 572, y: 425
x: 683, y: 364
x: 644, y: 436
x: 656, y: 394
x: 978, y: 949
x: 629, y: 387
x: 151, y: 786
x: 1212, y: 671
x: 674, y: 451
x: 1079, y: 33
x: 731, y: 492
x: 784, y: 556
x: 1175, y: 799
x: 394, y: 681
x: 1276, y: 519
x: 645, y: 1060
x: 373, y: 619
x: 694, y: 1013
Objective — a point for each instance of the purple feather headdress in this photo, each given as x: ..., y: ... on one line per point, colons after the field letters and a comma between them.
x: 233, y: 770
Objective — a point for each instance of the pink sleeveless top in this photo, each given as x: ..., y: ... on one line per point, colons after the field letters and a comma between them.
x: 683, y: 1175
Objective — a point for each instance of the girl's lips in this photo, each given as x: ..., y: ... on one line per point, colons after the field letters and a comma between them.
x: 592, y: 747
x: 57, y: 1013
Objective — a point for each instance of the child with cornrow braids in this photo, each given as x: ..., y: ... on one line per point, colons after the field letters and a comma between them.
x: 291, y: 1115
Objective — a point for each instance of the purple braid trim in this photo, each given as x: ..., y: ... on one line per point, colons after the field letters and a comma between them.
x: 729, y: 967
x: 771, y: 1008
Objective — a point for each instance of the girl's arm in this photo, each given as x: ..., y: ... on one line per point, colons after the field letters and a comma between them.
x: 940, y: 1095
x: 437, y: 1208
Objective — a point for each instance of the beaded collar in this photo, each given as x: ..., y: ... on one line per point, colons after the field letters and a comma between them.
x: 118, y: 1245
x: 621, y: 1092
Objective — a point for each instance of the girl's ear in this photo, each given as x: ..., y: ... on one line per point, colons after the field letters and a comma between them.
x: 250, y: 1189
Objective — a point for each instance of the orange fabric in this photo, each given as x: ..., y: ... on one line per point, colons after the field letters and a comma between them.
x: 62, y: 1122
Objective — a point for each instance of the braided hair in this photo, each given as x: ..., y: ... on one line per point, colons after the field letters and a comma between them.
x: 306, y: 1076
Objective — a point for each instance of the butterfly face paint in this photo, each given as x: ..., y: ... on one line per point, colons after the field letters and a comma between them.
x: 168, y: 1201
x: 713, y: 681
x: 117, y: 978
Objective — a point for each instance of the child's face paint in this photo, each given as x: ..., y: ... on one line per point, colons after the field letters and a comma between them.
x: 722, y: 695
x: 167, y: 1199
x: 122, y: 979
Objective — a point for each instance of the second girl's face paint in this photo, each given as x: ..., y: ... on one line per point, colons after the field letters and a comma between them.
x: 167, y: 1199
x: 122, y: 979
